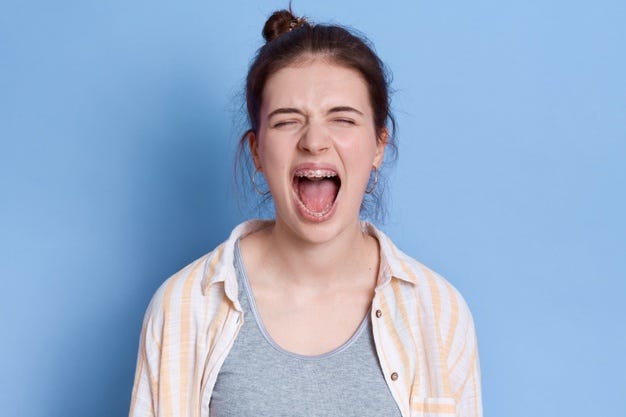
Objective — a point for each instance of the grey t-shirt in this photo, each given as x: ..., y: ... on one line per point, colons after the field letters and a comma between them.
x: 259, y: 378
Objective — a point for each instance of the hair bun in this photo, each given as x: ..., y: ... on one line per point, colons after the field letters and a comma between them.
x: 281, y: 22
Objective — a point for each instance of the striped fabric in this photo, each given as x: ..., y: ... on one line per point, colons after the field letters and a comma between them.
x: 423, y: 330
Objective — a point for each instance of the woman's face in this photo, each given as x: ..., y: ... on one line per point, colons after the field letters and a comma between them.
x: 316, y: 145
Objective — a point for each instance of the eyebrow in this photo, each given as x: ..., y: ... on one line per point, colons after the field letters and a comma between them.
x: 291, y: 110
x: 344, y: 108
x: 284, y: 110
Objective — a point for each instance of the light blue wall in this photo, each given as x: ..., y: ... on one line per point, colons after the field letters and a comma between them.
x: 118, y: 122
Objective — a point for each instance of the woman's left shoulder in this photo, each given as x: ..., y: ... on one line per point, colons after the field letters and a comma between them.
x: 430, y: 278
x: 434, y: 292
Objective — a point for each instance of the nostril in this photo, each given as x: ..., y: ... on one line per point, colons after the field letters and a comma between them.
x: 314, y: 139
x: 314, y: 146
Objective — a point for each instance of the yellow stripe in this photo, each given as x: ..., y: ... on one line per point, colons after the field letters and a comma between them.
x: 217, y: 326
x: 218, y: 318
x: 434, y: 408
x: 215, y: 258
x: 421, y: 326
x: 436, y: 299
x: 395, y: 285
x: 434, y: 293
x: 139, y: 371
x: 165, y: 394
x: 185, y: 341
x: 403, y: 265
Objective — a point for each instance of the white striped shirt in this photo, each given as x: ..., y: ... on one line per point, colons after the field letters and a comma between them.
x: 423, y: 330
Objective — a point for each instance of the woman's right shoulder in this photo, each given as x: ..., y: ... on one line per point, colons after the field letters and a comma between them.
x: 190, y: 288
x: 202, y: 285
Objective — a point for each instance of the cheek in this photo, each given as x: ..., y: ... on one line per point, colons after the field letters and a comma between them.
x: 273, y: 159
x: 358, y: 151
x: 265, y: 149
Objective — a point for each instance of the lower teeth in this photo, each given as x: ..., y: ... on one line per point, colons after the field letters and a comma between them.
x: 316, y: 213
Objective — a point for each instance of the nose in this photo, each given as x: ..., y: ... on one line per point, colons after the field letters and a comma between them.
x: 315, y: 139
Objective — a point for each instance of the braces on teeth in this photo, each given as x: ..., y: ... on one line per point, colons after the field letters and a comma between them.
x: 315, y: 213
x: 316, y: 173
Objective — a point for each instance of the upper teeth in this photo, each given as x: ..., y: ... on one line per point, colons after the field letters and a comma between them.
x: 316, y: 173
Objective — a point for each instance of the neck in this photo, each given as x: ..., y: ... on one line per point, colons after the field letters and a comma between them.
x: 314, y: 264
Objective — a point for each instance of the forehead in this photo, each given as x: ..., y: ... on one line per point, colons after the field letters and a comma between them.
x: 315, y: 85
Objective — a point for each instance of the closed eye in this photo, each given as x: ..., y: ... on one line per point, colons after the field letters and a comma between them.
x: 284, y: 123
x: 345, y: 121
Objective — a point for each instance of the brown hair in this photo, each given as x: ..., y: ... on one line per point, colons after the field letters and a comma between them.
x: 290, y: 39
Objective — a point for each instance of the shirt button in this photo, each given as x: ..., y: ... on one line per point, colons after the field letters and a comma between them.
x: 394, y: 376
x: 379, y: 313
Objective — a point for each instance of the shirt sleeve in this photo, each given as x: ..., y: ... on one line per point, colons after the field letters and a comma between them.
x: 464, y: 364
x: 145, y: 394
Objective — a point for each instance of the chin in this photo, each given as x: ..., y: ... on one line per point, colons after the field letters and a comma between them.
x: 318, y: 231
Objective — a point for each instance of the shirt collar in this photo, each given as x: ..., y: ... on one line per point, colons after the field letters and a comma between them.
x: 393, y: 262
x: 219, y: 265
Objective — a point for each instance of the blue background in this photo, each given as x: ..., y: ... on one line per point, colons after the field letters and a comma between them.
x: 119, y: 119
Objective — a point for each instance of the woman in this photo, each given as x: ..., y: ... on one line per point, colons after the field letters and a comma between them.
x: 314, y: 313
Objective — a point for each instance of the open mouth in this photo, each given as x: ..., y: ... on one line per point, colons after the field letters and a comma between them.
x: 316, y: 190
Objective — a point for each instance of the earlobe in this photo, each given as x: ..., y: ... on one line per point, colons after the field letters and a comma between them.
x: 254, y: 149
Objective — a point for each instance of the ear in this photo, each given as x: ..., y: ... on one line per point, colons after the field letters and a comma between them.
x: 381, y: 142
x: 253, y: 144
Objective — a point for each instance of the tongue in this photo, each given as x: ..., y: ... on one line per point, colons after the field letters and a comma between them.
x: 317, y: 195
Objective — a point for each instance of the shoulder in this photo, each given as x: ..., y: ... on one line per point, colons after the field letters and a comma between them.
x: 203, y: 283
x: 184, y: 289
x: 435, y: 295
x: 438, y: 308
x: 431, y: 284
